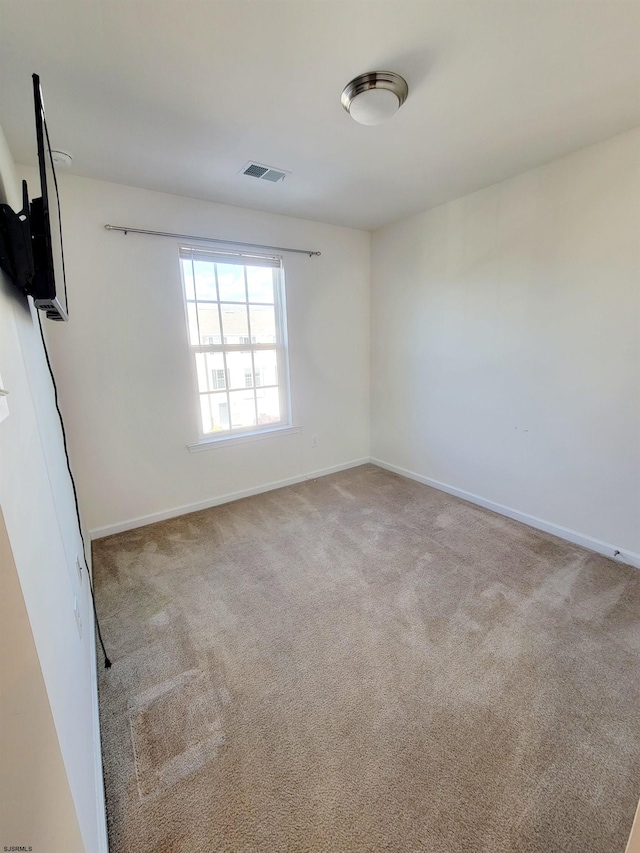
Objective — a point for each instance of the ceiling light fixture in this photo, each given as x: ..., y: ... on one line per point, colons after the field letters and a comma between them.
x: 374, y: 97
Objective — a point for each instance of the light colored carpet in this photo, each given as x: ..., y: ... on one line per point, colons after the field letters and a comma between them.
x: 361, y: 663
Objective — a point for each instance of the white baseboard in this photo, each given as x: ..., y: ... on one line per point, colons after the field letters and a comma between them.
x: 141, y: 521
x: 605, y: 548
x: 620, y: 555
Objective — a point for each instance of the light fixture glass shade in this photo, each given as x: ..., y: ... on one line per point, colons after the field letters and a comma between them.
x: 373, y: 97
x: 373, y: 106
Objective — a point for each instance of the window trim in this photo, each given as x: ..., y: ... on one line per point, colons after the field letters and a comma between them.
x: 238, y: 437
x: 281, y: 346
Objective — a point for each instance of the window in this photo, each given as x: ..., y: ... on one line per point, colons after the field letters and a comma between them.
x: 237, y: 336
x: 249, y: 378
x: 218, y: 379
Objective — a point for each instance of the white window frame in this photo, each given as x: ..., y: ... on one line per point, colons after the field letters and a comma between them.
x: 242, y: 259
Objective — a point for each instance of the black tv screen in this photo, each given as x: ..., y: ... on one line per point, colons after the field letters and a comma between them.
x: 49, y: 287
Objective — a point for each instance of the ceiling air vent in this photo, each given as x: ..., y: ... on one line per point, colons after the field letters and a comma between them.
x: 265, y: 173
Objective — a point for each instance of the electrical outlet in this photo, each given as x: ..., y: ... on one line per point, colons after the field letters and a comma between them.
x: 79, y: 568
x: 76, y: 613
x: 314, y: 441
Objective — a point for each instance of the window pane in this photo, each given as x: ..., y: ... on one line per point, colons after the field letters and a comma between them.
x: 231, y: 283
x: 235, y: 324
x: 268, y: 406
x: 193, y: 323
x: 263, y: 324
x: 187, y: 277
x: 209, y: 324
x: 205, y: 280
x: 266, y: 366
x: 238, y: 363
x: 210, y: 368
x: 243, y: 410
x: 215, y: 412
x: 260, y: 284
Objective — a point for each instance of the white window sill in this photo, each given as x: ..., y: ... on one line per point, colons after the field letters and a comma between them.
x: 242, y: 438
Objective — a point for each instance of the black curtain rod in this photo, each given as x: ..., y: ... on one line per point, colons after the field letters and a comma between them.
x: 209, y: 240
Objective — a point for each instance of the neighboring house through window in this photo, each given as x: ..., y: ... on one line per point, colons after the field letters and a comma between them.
x: 237, y: 333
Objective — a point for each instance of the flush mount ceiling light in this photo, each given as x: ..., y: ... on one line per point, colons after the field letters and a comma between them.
x: 374, y: 97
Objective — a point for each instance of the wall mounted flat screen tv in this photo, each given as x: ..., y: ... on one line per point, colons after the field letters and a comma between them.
x: 49, y: 286
x: 31, y: 251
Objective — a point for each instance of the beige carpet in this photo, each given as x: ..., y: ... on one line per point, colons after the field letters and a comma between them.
x: 361, y: 663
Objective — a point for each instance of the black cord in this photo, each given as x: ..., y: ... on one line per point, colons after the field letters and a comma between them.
x: 107, y: 662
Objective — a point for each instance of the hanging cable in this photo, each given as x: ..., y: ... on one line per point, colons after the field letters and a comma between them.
x: 107, y: 662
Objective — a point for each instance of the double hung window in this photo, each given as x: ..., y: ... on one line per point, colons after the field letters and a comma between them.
x: 237, y: 334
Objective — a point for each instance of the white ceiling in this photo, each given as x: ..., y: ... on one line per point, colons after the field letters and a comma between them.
x: 178, y: 96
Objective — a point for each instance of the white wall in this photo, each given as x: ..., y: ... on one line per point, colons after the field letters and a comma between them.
x: 506, y: 344
x: 123, y: 363
x: 37, y: 503
x: 36, y: 808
